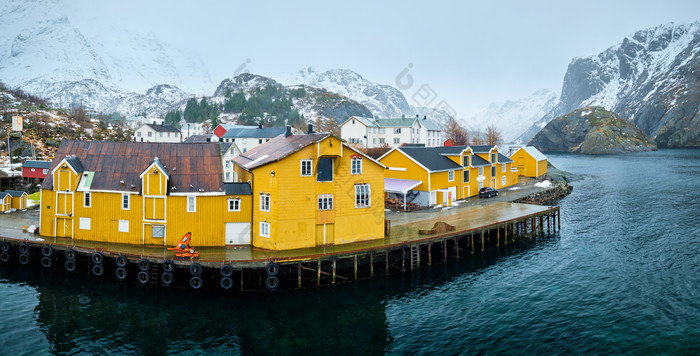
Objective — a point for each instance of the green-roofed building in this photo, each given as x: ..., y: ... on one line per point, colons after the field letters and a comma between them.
x: 394, y: 132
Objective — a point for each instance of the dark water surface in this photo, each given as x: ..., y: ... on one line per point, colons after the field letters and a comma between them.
x: 622, y: 276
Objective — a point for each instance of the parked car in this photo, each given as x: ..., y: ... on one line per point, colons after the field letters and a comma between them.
x: 487, y: 192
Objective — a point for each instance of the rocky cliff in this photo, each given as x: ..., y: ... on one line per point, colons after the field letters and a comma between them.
x: 592, y: 130
x: 652, y: 78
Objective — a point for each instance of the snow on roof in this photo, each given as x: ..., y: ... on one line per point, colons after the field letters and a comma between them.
x: 535, y: 153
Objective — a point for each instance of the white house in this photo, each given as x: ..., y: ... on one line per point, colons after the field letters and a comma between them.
x: 247, y: 137
x: 394, y: 132
x: 157, y: 133
x: 189, y: 129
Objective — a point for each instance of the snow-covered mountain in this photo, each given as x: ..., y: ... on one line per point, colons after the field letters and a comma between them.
x: 44, y: 53
x: 651, y: 79
x: 513, y: 117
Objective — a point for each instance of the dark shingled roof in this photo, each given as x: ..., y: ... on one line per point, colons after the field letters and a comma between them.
x: 504, y: 159
x: 163, y: 128
x: 75, y: 163
x: 478, y: 161
x: 432, y: 158
x: 276, y: 149
x: 238, y: 189
x: 481, y: 148
x: 37, y: 164
x: 15, y: 193
x: 254, y: 132
x: 196, y: 164
x: 198, y: 139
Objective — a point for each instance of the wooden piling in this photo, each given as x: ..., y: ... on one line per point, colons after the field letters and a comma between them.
x: 456, y: 240
x: 318, y: 273
x: 472, y: 243
x: 334, y: 266
x: 430, y: 255
x: 371, y: 264
x: 354, y: 260
x: 482, y: 241
x: 298, y: 274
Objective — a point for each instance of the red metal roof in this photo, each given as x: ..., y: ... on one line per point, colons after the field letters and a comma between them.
x: 192, y: 167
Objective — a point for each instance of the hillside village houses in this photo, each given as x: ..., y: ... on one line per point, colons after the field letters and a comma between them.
x: 394, y: 132
x: 189, y: 129
x: 157, y: 133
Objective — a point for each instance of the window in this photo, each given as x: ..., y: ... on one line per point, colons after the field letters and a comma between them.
x: 150, y: 134
x: 356, y: 165
x: 245, y: 140
x: 325, y: 202
x: 32, y: 169
x: 191, y: 204
x: 259, y: 141
x: 503, y: 180
x: 324, y: 170
x: 396, y: 141
x: 234, y: 204
x: 157, y: 231
x: 374, y: 140
x: 84, y: 223
x: 228, y: 164
x: 161, y: 134
x: 354, y: 140
x: 481, y: 171
x: 264, y: 229
x: 362, y: 194
x: 228, y: 176
x: 168, y: 134
x: 381, y: 141
x: 138, y: 133
x: 397, y: 130
x: 86, y: 199
x: 306, y: 167
x: 466, y: 176
x: 264, y: 202
x: 493, y: 171
x: 125, y: 201
x: 466, y: 160
x: 481, y: 184
x: 123, y: 225
x: 451, y: 176
x: 493, y: 158
x: 381, y: 130
x: 503, y: 167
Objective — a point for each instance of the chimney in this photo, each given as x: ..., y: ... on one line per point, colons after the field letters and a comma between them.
x: 309, y: 129
x: 289, y: 131
x: 425, y: 117
x: 259, y: 126
x: 417, y: 116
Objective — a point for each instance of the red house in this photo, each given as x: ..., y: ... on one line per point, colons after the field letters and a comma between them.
x: 35, y: 169
x: 448, y: 143
x: 220, y: 130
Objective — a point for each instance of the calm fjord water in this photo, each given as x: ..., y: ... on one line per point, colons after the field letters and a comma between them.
x: 622, y: 276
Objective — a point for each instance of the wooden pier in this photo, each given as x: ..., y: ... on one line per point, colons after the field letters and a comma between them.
x: 416, y: 239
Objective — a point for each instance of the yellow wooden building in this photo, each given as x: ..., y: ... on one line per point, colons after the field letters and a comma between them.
x: 312, y: 190
x: 441, y: 175
x: 6, y: 200
x: 143, y: 193
x: 530, y: 162
x: 19, y: 199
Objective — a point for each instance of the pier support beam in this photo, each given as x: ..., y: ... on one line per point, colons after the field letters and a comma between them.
x: 371, y: 264
x: 482, y: 241
x: 318, y: 273
x: 298, y: 274
x: 430, y: 255
x: 334, y: 265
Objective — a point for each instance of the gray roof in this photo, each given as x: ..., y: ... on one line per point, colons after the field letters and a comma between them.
x: 254, y: 132
x: 503, y: 159
x: 237, y: 188
x: 75, y: 163
x: 198, y: 139
x: 430, y: 124
x: 15, y: 193
x: 276, y: 149
x: 481, y: 148
x: 432, y: 158
x: 479, y: 162
x: 163, y: 128
x: 37, y: 164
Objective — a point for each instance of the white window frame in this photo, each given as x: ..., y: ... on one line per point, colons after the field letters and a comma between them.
x: 123, y: 225
x: 360, y: 191
x: 46, y: 171
x: 236, y: 204
x: 382, y: 130
x: 264, y: 229
x: 397, y: 130
x: 228, y: 176
x: 481, y: 171
x: 493, y: 171
x: 382, y: 141
x: 468, y: 173
x: 397, y: 141
x: 356, y: 165
x: 503, y: 180
x: 503, y: 167
x: 310, y: 168
x: 265, y: 202
x: 494, y: 158
x: 126, y: 199
x: 450, y: 176
x: 191, y: 204
x: 325, y: 202
x: 84, y: 223
x: 87, y: 200
x: 160, y: 227
x: 481, y: 184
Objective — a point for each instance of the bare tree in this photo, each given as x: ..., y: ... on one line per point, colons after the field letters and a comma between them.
x: 494, y: 136
x: 455, y: 131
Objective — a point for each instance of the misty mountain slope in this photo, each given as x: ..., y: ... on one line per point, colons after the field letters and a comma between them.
x: 650, y: 78
x: 514, y: 117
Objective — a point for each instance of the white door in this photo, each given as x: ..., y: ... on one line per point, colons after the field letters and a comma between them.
x: 237, y: 233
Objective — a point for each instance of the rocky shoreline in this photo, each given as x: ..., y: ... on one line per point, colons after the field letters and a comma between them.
x: 556, y: 192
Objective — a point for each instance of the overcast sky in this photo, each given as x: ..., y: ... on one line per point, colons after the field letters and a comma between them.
x: 470, y: 53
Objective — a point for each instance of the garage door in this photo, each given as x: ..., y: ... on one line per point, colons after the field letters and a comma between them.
x: 238, y: 233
